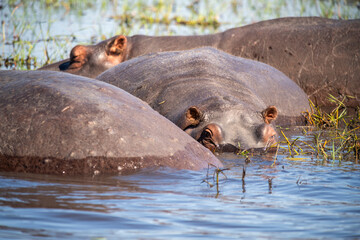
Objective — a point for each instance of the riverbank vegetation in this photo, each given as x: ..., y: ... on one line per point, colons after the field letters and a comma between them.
x: 34, y: 33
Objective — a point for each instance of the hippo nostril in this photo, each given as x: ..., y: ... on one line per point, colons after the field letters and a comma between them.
x: 64, y: 66
x: 271, y: 140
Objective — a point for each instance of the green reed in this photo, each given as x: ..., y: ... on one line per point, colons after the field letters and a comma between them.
x: 215, y: 177
x: 334, y: 134
x: 319, y: 118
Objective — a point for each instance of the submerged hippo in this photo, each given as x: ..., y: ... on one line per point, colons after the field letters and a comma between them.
x: 321, y: 55
x: 217, y: 98
x: 58, y: 123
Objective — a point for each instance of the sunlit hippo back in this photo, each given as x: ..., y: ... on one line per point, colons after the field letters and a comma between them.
x: 217, y: 98
x: 59, y: 123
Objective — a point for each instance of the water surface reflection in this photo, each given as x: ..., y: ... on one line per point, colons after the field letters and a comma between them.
x: 291, y: 200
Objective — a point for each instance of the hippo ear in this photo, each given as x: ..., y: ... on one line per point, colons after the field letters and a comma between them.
x: 192, y: 117
x: 270, y: 114
x: 116, y: 46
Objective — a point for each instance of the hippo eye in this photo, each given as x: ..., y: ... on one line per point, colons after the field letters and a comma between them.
x: 208, y: 133
x: 206, y: 139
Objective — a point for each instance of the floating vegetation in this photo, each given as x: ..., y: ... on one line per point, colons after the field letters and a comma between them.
x: 321, y: 119
x: 201, y: 21
x: 215, y: 177
x: 336, y: 145
x: 245, y: 153
x: 333, y: 135
x: 276, y: 154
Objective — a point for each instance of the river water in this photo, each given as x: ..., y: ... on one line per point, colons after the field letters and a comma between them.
x: 303, y: 198
x: 290, y: 200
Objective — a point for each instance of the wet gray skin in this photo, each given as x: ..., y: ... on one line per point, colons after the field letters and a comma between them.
x: 59, y: 123
x: 321, y: 55
x: 217, y: 98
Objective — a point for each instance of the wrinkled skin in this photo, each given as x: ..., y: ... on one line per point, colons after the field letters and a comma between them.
x: 320, y: 55
x: 58, y: 123
x: 217, y: 98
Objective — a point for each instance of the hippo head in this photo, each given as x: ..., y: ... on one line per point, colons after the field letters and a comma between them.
x: 231, y: 129
x: 91, y: 60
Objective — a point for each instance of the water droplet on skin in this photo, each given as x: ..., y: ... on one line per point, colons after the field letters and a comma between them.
x: 47, y: 160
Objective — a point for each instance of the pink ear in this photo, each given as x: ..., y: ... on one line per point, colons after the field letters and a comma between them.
x: 117, y: 45
x: 192, y: 117
x: 270, y: 114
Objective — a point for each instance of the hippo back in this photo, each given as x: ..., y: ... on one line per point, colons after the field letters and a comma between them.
x: 59, y: 123
x: 177, y: 80
x: 321, y: 55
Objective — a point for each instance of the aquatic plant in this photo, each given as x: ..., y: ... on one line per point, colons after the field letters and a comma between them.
x: 319, y: 118
x: 334, y: 134
x: 215, y: 176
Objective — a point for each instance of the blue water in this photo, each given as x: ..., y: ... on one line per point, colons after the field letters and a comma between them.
x: 292, y: 199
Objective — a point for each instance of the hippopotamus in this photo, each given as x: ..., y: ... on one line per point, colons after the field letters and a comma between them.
x: 321, y: 55
x: 219, y: 99
x: 59, y: 123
